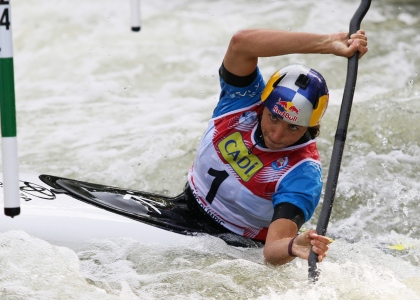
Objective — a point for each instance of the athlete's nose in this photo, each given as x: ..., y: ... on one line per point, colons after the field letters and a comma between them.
x: 278, y: 132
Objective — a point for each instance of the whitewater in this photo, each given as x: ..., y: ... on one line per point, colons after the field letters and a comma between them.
x: 100, y: 103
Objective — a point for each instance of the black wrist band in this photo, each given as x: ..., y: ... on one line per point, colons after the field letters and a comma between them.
x: 289, y: 248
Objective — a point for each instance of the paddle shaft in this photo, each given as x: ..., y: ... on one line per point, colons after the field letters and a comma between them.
x: 340, y: 138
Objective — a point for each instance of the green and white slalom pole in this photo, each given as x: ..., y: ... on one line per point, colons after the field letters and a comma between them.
x: 135, y: 15
x: 8, y: 115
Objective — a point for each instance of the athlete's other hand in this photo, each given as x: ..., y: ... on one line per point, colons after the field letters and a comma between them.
x: 302, y: 245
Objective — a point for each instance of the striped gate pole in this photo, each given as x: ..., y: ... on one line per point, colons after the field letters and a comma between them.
x: 8, y: 115
x: 135, y: 15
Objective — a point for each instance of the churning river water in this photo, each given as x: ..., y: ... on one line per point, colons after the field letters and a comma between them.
x: 100, y: 103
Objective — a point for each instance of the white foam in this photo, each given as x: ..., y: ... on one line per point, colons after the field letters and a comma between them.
x: 97, y: 102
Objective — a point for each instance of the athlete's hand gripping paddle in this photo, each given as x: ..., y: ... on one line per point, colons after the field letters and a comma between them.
x: 340, y: 138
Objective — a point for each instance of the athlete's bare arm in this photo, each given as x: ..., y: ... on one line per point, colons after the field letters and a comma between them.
x: 281, y: 232
x: 247, y: 46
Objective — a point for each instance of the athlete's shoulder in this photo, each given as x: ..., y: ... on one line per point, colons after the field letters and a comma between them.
x: 234, y: 97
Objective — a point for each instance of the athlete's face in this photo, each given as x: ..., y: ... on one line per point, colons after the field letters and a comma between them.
x: 277, y: 133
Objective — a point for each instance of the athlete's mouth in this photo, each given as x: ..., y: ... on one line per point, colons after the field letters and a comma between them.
x: 275, y: 145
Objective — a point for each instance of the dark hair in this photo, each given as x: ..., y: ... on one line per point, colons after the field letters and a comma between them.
x: 314, y: 131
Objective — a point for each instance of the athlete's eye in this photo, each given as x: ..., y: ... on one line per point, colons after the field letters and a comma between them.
x: 273, y: 117
x: 293, y: 127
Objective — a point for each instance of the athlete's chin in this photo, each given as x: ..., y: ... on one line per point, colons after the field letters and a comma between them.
x: 273, y: 146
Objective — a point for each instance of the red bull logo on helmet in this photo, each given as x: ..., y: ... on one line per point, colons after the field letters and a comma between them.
x: 286, y: 110
x: 288, y: 106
